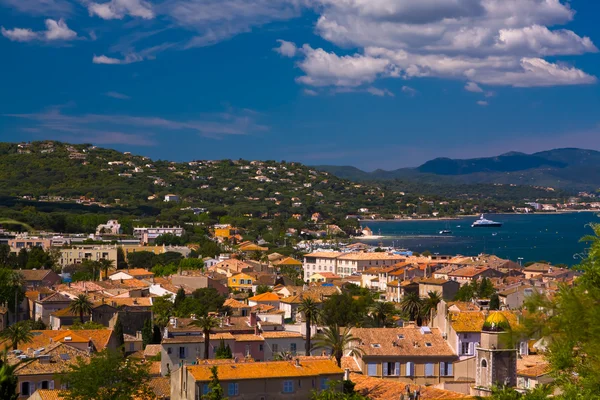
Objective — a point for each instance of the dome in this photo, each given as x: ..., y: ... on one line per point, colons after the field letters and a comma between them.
x: 496, y: 322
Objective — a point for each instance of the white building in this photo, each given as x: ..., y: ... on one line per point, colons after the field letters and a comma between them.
x: 346, y: 264
x: 112, y: 227
x: 148, y: 235
x: 172, y: 197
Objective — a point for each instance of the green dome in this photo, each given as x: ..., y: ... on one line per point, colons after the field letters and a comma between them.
x: 496, y: 322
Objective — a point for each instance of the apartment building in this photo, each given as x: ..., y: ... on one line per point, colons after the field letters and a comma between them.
x: 76, y: 255
x: 346, y: 264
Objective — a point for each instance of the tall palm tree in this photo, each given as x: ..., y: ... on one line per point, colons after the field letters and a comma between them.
x: 337, y: 343
x: 106, y: 265
x: 8, y: 379
x: 206, y: 323
x: 16, y: 282
x: 310, y: 309
x: 382, y: 313
x: 17, y: 333
x: 412, y: 305
x: 430, y: 303
x: 81, y: 305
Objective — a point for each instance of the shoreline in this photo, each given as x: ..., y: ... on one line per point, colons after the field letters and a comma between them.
x: 474, y: 216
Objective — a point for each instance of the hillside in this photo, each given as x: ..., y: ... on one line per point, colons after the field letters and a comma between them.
x: 73, y: 188
x: 568, y: 169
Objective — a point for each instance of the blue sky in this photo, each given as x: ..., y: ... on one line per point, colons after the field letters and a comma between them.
x: 369, y: 83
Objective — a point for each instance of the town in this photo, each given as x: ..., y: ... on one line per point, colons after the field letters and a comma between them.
x: 344, y: 318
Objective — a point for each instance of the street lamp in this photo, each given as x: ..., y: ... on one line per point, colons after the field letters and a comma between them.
x: 520, y: 261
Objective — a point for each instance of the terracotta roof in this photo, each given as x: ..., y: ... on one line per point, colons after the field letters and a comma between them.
x: 58, y: 358
x: 409, y: 341
x: 324, y: 254
x: 472, y: 321
x: 151, y: 350
x: 280, y: 335
x: 266, y: 370
x: 56, y: 297
x: 268, y: 296
x: 66, y: 312
x: 389, y: 389
x: 47, y: 394
x: 248, y: 338
x: 538, y: 267
x: 233, y: 303
x: 468, y: 272
x: 137, y: 272
x: 34, y: 274
x: 289, y: 261
x: 161, y: 386
x: 360, y: 256
x: 463, y: 305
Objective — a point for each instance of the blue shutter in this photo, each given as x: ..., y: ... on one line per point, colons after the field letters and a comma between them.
x: 385, y: 369
x: 410, y: 368
x: 205, y: 389
x: 429, y: 369
x: 443, y: 369
x: 372, y: 369
x: 449, y: 373
x: 397, y: 369
x: 324, y: 384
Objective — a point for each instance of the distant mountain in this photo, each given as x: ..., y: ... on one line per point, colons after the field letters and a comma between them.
x: 570, y: 168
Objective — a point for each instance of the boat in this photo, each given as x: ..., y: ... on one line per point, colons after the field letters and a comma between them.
x: 485, y: 223
x: 445, y: 232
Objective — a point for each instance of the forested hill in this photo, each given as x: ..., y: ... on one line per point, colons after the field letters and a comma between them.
x: 43, y: 178
x: 569, y: 169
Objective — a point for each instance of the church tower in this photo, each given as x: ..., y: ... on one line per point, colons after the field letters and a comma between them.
x: 496, y: 356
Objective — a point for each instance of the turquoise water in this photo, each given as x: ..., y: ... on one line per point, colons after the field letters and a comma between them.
x: 534, y: 237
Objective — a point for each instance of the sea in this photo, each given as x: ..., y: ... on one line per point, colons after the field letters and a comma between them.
x: 522, y: 238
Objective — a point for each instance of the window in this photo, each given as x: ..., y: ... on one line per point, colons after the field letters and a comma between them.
x: 288, y: 386
x: 483, y: 363
x: 205, y: 389
x: 429, y: 370
x: 248, y: 347
x: 182, y: 352
x: 233, y: 389
x: 375, y: 345
x: 249, y: 281
x: 372, y: 369
x: 131, y: 346
x: 169, y: 350
x: 410, y: 368
x: 465, y: 348
x: 260, y: 347
x: 391, y: 368
x: 25, y: 389
x: 445, y: 369
x: 324, y: 383
x: 234, y: 280
x: 293, y: 348
x: 275, y: 348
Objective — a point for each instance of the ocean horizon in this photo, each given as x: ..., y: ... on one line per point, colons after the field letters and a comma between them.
x: 523, y: 237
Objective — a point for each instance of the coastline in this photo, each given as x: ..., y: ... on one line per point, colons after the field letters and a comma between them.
x: 475, y: 216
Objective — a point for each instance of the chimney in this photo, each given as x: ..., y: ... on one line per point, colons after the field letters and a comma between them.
x: 256, y: 332
x: 297, y: 362
x: 347, y: 374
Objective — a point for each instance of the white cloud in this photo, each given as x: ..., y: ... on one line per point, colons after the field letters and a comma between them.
x: 43, y: 8
x: 310, y: 92
x: 477, y: 41
x: 128, y: 59
x: 117, y: 95
x: 473, y: 87
x: 482, y: 103
x: 58, y: 30
x: 409, y: 91
x: 328, y: 69
x: 379, y: 92
x: 19, y: 34
x: 55, y: 31
x: 118, y: 9
x: 286, y: 49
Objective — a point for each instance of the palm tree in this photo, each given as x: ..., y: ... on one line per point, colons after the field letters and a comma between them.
x: 81, y: 305
x: 382, y: 312
x: 8, y: 379
x: 106, y: 265
x: 337, y: 343
x: 310, y: 309
x: 17, y: 333
x: 411, y: 305
x: 206, y: 323
x: 16, y: 282
x: 430, y: 303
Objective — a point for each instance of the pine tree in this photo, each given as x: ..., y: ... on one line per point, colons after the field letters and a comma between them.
x: 179, y: 297
x: 494, y: 302
x: 147, y: 333
x: 223, y: 351
x: 118, y: 332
